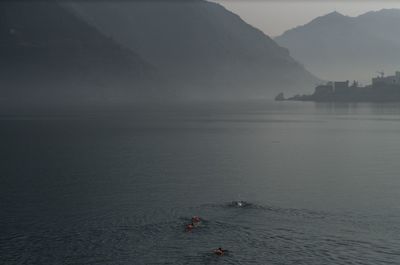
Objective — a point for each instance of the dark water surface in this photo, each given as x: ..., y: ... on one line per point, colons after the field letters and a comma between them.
x: 322, y: 183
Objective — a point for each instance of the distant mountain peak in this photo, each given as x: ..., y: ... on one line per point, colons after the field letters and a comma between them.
x: 333, y: 16
x: 337, y: 47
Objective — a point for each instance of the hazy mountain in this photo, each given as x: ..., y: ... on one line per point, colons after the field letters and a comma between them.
x: 208, y: 51
x: 48, y: 54
x: 335, y: 46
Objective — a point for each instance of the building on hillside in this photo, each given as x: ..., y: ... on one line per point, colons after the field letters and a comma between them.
x: 341, y: 86
x: 324, y: 89
x: 392, y: 80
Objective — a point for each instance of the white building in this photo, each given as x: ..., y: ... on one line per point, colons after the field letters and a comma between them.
x: 387, y: 80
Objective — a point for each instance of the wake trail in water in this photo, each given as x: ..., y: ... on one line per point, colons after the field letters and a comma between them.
x: 253, y: 233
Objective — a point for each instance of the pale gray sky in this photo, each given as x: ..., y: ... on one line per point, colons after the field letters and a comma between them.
x: 276, y: 16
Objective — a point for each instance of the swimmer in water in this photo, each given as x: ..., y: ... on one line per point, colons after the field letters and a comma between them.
x: 196, y: 220
x: 238, y: 204
x: 219, y: 252
x: 189, y: 227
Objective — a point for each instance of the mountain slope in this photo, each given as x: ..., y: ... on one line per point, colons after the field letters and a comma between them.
x: 208, y: 51
x: 49, y: 55
x: 335, y: 46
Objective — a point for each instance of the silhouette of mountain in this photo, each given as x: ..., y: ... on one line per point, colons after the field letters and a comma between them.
x: 206, y: 50
x: 49, y: 55
x: 338, y: 47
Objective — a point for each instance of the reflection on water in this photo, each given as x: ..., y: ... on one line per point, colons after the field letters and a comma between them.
x: 342, y: 108
x: 274, y: 183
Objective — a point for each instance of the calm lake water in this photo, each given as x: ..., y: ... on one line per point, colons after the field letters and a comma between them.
x: 321, y: 182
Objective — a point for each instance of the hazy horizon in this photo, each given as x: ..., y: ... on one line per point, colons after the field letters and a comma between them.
x: 275, y: 17
x: 175, y: 132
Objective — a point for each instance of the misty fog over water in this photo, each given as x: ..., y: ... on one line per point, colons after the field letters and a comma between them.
x: 144, y: 132
x: 101, y: 187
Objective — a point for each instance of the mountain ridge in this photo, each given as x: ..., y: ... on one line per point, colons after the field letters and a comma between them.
x: 208, y: 49
x: 50, y: 56
x: 347, y: 47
